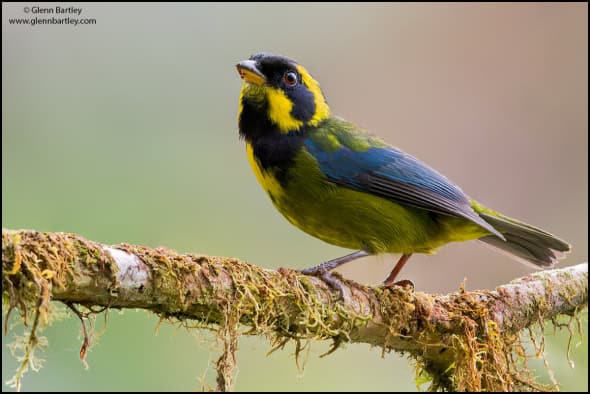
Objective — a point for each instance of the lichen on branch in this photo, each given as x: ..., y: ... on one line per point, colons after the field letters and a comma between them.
x: 467, y: 340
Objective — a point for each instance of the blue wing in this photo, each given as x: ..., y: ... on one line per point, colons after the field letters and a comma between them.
x: 388, y: 172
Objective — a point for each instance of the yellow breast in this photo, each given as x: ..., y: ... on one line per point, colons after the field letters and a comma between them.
x: 266, y: 178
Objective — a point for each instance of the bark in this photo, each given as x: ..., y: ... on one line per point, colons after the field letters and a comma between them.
x: 463, y: 340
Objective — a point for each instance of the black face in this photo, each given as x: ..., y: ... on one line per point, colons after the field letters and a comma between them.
x: 282, y: 73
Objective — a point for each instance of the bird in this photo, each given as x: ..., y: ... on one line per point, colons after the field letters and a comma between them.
x: 348, y: 187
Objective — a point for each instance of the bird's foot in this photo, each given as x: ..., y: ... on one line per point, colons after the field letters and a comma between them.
x: 389, y: 281
x: 331, y: 280
x: 322, y: 271
x: 405, y: 283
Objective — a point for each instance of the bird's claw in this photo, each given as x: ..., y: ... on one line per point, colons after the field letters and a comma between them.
x: 331, y: 281
x: 405, y: 283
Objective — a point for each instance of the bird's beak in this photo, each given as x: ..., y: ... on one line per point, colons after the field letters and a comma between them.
x: 250, y: 73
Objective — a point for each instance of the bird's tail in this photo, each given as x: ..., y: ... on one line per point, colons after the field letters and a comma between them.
x: 524, y: 243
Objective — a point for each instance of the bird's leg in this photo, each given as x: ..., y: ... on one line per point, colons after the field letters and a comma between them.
x: 331, y: 264
x: 323, y: 270
x: 398, y: 267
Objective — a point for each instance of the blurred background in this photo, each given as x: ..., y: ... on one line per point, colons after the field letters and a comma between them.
x: 125, y: 131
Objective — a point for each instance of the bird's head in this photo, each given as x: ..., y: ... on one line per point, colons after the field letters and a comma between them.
x: 278, y: 95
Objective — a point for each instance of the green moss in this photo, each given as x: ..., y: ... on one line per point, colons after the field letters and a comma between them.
x: 33, y: 264
x: 453, y: 340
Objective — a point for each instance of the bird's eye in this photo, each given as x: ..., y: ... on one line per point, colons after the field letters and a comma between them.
x: 290, y: 78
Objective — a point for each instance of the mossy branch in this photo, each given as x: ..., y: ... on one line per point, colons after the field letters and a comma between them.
x: 468, y: 340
